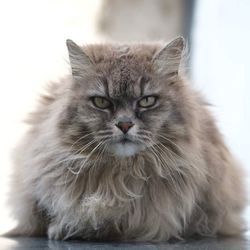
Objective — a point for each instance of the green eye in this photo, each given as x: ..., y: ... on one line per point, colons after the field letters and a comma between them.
x: 147, y: 102
x: 101, y: 102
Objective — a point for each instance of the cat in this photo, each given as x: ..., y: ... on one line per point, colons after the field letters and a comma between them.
x: 125, y: 149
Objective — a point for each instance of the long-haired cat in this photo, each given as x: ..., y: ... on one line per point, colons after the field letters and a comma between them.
x: 125, y: 149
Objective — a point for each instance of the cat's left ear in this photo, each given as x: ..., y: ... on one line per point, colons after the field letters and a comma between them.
x: 79, y: 61
x: 167, y: 60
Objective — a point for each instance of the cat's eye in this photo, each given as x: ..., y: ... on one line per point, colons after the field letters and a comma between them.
x: 147, y: 102
x: 101, y: 102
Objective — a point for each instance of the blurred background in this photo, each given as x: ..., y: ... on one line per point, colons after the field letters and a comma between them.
x: 33, y: 52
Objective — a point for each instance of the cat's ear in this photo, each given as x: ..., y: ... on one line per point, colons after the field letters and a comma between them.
x: 167, y: 60
x: 79, y: 61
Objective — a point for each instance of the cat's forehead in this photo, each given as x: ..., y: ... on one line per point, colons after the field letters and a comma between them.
x: 124, y: 67
x: 100, y: 53
x: 124, y: 77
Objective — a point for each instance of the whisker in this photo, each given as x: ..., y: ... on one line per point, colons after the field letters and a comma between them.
x: 98, y: 133
x: 164, y: 154
x: 81, y: 138
x: 169, y: 140
x: 87, y: 157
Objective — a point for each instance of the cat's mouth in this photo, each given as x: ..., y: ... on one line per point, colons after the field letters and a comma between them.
x: 125, y: 140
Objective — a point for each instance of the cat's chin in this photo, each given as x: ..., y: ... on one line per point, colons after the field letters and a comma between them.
x: 125, y: 149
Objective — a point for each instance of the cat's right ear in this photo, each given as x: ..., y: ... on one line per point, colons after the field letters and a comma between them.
x: 167, y: 61
x: 79, y: 61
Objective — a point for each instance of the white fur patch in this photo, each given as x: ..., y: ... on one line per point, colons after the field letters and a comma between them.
x: 125, y: 149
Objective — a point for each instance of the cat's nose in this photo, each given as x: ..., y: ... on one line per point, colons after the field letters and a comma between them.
x: 124, y: 126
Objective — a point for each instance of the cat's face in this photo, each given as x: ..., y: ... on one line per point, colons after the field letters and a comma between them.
x: 125, y: 102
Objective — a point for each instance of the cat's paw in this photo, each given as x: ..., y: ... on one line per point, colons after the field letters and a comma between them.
x: 55, y: 232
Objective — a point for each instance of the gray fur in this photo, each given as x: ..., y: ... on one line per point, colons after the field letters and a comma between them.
x: 73, y: 178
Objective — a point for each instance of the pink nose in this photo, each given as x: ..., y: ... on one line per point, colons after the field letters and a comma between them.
x: 124, y: 126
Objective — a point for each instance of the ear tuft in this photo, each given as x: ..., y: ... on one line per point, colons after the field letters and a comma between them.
x: 168, y: 59
x: 79, y: 61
